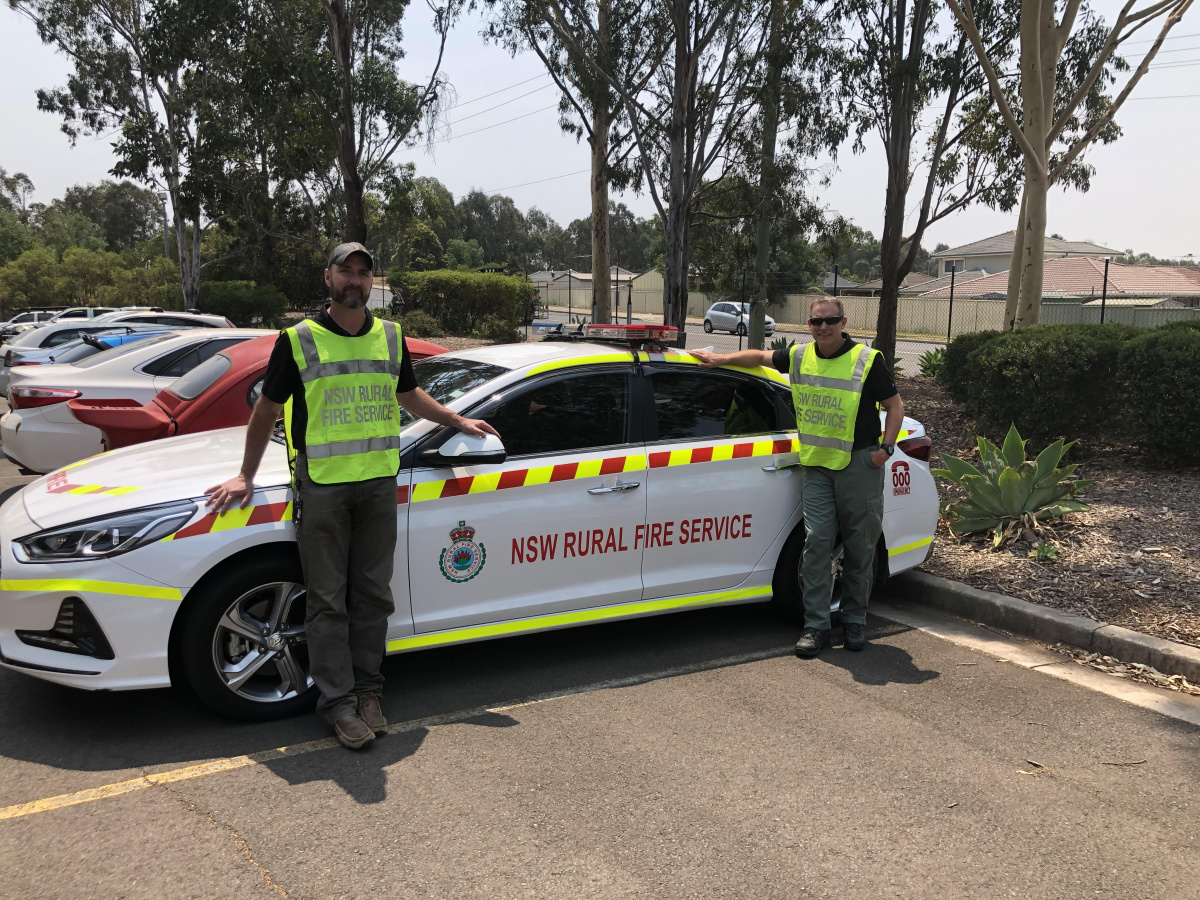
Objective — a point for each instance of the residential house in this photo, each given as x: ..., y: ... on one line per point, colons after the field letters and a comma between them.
x: 994, y: 254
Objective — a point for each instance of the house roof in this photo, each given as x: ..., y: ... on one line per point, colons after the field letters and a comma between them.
x: 960, y: 278
x: 555, y: 274
x: 999, y: 244
x: 910, y: 280
x: 1083, y: 276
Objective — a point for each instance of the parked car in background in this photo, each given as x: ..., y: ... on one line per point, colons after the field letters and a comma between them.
x: 170, y: 319
x: 41, y: 434
x: 97, y: 342
x: 35, y: 347
x: 726, y: 317
x: 23, y: 322
x: 81, y: 312
x: 218, y: 393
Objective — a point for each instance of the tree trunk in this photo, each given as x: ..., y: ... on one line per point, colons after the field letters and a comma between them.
x: 341, y: 40
x: 1033, y: 227
x: 1013, y: 298
x: 766, y: 178
x: 675, y: 269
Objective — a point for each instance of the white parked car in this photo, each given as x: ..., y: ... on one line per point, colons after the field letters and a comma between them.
x: 42, y: 434
x: 623, y: 486
x: 23, y: 322
x: 78, y: 313
x: 38, y: 346
x: 727, y: 317
x: 174, y: 320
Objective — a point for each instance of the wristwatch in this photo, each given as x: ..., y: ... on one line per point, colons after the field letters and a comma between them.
x: 889, y: 449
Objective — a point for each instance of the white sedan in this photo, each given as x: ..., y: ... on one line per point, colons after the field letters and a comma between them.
x: 627, y: 484
x: 41, y: 433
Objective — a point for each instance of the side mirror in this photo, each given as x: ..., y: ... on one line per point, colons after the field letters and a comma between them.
x: 465, y: 450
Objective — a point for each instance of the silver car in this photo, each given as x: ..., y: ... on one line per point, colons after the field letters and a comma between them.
x: 172, y: 320
x: 36, y: 346
x: 734, y: 318
x: 23, y: 322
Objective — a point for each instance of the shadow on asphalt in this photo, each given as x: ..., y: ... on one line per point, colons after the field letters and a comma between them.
x: 70, y: 729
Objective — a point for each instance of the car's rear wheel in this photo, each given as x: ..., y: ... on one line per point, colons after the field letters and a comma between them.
x: 741, y: 328
x: 242, y: 645
x: 708, y: 328
x: 787, y: 588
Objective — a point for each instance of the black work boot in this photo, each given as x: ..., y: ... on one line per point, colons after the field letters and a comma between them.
x: 811, y: 642
x: 854, y: 636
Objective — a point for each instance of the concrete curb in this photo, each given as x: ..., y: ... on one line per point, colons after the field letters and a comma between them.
x: 1048, y: 625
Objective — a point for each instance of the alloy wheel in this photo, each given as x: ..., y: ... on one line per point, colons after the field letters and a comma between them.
x: 259, y: 647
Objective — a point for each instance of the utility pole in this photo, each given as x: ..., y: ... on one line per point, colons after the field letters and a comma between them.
x: 1104, y: 289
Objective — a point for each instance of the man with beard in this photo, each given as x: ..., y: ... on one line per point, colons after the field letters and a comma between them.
x: 340, y: 376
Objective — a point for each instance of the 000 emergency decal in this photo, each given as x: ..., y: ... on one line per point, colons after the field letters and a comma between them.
x: 463, y: 559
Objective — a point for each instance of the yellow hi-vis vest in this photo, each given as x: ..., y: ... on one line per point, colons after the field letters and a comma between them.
x: 353, y: 430
x: 826, y: 394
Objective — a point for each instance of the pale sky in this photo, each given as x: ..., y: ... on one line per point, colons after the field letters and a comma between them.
x: 1145, y: 194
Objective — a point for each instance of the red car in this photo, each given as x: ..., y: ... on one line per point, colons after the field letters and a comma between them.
x: 218, y: 393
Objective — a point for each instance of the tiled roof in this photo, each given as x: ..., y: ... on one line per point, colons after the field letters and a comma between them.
x: 555, y: 274
x: 960, y: 278
x: 1083, y: 276
x: 1003, y: 243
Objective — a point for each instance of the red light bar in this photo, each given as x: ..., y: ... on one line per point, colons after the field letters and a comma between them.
x: 631, y: 332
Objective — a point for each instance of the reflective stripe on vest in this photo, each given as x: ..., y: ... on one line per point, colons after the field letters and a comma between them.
x: 826, y: 394
x: 353, y: 430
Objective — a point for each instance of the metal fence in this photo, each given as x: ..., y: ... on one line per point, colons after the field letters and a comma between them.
x: 932, y: 318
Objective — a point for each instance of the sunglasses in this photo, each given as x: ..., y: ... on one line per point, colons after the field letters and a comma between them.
x: 827, y: 320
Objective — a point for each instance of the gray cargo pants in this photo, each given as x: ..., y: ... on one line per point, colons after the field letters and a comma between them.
x: 848, y: 501
x: 347, y: 538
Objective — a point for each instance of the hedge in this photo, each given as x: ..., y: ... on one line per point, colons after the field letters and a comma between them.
x: 1051, y: 381
x: 244, y: 303
x: 463, y: 302
x: 1159, y: 378
x: 957, y: 373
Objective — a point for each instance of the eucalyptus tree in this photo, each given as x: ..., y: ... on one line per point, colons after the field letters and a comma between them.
x: 612, y: 38
x: 686, y: 119
x: 1067, y: 60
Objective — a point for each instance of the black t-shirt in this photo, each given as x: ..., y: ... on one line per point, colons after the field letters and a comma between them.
x: 878, y: 387
x: 282, y: 379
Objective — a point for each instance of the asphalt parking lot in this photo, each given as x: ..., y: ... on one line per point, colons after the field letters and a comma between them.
x: 679, y: 756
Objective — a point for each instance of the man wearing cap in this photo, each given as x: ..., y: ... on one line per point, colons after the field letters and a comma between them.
x: 838, y: 387
x: 340, y: 376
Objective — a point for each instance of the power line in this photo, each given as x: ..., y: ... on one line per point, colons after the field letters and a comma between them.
x: 498, y: 105
x: 501, y: 90
x: 497, y: 125
x: 1163, y: 97
x: 1169, y: 37
x: 539, y: 181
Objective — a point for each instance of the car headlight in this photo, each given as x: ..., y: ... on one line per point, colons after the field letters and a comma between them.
x: 103, y: 537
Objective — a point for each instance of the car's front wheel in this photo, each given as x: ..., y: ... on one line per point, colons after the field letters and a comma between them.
x: 741, y: 328
x: 242, y: 643
x: 708, y: 326
x: 787, y: 588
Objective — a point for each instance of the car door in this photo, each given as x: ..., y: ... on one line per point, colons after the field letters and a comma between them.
x: 720, y: 317
x: 722, y: 481
x: 552, y: 529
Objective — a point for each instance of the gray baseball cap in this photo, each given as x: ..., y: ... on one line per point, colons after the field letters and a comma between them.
x: 343, y: 251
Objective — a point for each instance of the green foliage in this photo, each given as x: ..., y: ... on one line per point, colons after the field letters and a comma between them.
x: 1050, y: 381
x: 244, y: 303
x: 1043, y: 552
x: 1159, y: 374
x: 931, y: 362
x: 1193, y: 324
x: 420, y: 324
x: 958, y: 372
x: 30, y: 280
x: 1011, y: 494
x: 15, y: 236
x: 498, y: 330
x: 781, y: 343
x: 460, y: 301
x: 466, y: 255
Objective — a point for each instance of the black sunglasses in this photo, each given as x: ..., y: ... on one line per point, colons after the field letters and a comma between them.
x: 827, y: 320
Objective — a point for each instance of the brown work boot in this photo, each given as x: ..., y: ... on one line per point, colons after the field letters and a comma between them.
x: 369, y: 712
x: 352, y: 731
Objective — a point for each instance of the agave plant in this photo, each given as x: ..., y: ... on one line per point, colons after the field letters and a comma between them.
x: 931, y: 362
x: 781, y: 343
x: 1011, y: 494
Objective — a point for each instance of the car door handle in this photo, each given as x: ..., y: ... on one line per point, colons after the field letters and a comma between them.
x: 616, y: 488
x: 781, y: 468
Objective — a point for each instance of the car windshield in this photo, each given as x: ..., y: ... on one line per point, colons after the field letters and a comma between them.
x: 74, y: 351
x: 445, y: 379
x: 105, y: 355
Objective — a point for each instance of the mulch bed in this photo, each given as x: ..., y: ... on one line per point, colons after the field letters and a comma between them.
x: 1133, y: 559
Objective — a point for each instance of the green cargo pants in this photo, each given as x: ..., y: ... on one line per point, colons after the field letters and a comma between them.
x: 347, y: 538
x: 848, y: 502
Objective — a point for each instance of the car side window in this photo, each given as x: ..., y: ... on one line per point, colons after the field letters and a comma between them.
x: 185, y: 362
x: 61, y: 337
x: 700, y: 404
x: 565, y: 416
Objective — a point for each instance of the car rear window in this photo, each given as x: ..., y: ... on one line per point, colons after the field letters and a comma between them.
x: 201, y: 378
x: 74, y: 353
x: 107, y: 355
x: 445, y: 379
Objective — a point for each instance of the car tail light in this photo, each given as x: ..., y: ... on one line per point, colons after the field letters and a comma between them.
x: 30, y: 397
x: 917, y: 447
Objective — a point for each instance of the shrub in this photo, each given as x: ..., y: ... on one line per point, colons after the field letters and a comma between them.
x: 1159, y: 383
x: 1050, y: 381
x: 931, y: 362
x: 498, y: 330
x: 420, y: 324
x: 460, y: 301
x: 957, y: 370
x: 1193, y: 324
x: 244, y: 303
